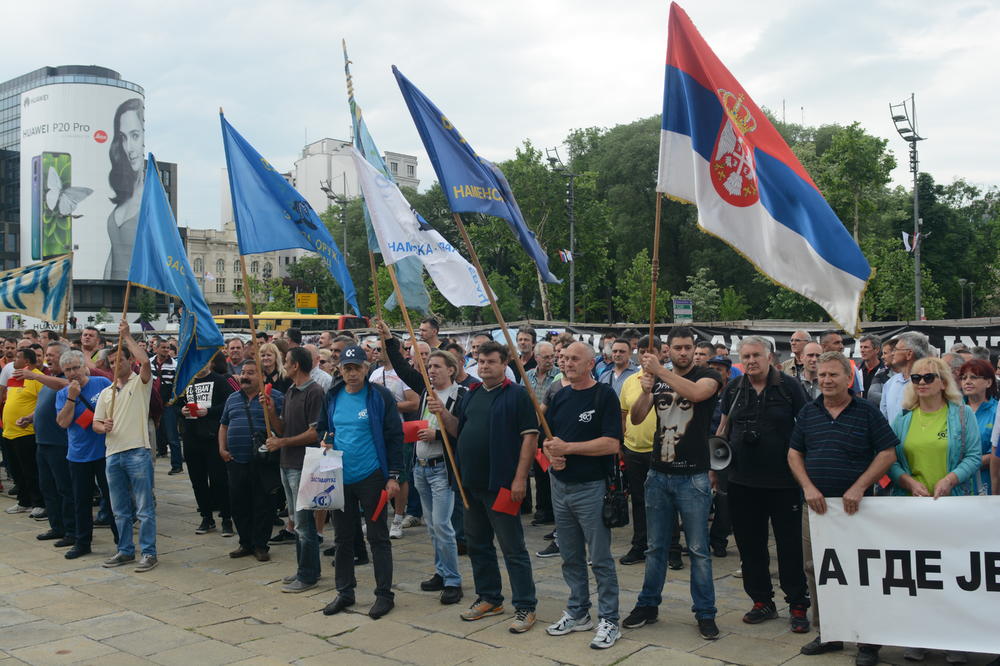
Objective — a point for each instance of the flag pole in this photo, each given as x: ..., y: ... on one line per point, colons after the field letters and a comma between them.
x: 419, y: 360
x: 118, y: 352
x: 655, y: 272
x: 69, y: 299
x: 253, y: 340
x: 503, y: 324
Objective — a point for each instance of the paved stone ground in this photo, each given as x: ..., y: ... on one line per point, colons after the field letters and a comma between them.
x: 201, y: 607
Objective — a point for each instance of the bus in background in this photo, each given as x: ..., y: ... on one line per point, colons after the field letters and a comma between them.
x: 281, y: 321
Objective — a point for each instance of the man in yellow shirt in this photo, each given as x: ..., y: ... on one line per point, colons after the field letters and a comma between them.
x: 637, y: 447
x: 19, y: 434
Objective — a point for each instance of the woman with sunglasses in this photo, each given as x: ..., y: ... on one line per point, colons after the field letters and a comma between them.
x: 940, y: 450
x: 940, y: 446
x: 979, y: 384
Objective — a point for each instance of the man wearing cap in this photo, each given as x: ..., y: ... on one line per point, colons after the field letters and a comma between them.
x: 364, y: 424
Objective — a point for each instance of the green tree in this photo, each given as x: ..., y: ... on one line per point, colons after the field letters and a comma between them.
x: 145, y: 303
x: 855, y: 170
x: 890, y: 292
x: 733, y: 306
x: 102, y: 316
x: 267, y: 294
x: 310, y: 274
x: 704, y: 295
x: 634, y: 289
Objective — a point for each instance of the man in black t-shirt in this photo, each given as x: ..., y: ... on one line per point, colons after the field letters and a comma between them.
x: 684, y: 399
x: 585, y: 418
x: 758, y: 414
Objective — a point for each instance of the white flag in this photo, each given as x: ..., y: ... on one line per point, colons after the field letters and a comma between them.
x: 906, y: 242
x: 400, y: 234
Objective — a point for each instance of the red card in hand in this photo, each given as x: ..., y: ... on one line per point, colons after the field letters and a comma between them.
x: 410, y: 430
x: 85, y: 419
x: 504, y: 503
x: 542, y: 460
x: 15, y: 382
x: 884, y: 481
x: 383, y: 498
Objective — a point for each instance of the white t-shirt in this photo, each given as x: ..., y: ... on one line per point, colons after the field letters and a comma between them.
x: 390, y: 380
x: 6, y: 373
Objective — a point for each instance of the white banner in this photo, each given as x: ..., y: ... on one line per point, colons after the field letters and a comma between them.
x: 401, y: 235
x: 910, y: 571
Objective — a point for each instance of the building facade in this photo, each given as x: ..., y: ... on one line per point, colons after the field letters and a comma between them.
x: 215, y: 259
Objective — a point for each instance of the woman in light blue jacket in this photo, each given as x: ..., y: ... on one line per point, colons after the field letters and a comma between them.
x: 939, y: 450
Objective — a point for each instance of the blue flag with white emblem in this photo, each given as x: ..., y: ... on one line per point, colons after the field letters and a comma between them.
x: 271, y: 215
x: 160, y: 263
x: 471, y: 183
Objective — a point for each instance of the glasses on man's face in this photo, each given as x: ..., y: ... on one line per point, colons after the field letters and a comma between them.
x: 965, y: 377
x: 928, y: 378
x: 323, y: 362
x: 799, y: 340
x: 71, y: 368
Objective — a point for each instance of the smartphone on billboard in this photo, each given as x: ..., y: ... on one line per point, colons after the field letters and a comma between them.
x: 36, y: 207
x: 57, y: 222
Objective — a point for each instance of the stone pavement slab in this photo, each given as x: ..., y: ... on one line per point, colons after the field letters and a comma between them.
x: 65, y: 651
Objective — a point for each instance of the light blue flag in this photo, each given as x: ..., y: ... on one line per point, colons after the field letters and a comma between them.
x: 271, y: 215
x: 39, y: 290
x: 471, y: 183
x: 160, y: 263
x: 409, y: 271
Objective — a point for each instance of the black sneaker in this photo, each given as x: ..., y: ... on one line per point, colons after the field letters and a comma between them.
x: 227, y: 528
x: 207, y: 525
x: 550, y: 551
x: 550, y: 536
x: 381, y: 606
x: 674, y: 561
x: 452, y: 594
x: 633, y: 556
x: 640, y: 617
x: 799, y: 619
x: 175, y: 470
x: 708, y: 629
x: 761, y: 611
x: 361, y: 558
x: 433, y: 584
x: 719, y: 550
x: 817, y: 646
x: 283, y: 537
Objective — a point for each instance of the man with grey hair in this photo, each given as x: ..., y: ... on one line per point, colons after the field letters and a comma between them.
x: 810, y: 371
x: 981, y: 353
x: 758, y: 414
x: 540, y: 378
x: 955, y: 361
x: 51, y: 442
x: 870, y: 348
x: 319, y: 376
x: 910, y: 348
x: 839, y: 447
x: 794, y: 365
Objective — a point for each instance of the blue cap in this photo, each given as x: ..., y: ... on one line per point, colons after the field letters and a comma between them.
x: 353, y: 354
x: 720, y: 360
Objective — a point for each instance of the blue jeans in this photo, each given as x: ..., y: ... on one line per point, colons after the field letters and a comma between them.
x: 130, y: 484
x: 577, y: 508
x: 57, y: 488
x: 307, y: 544
x: 691, y: 496
x: 482, y: 523
x: 168, y: 423
x: 438, y: 500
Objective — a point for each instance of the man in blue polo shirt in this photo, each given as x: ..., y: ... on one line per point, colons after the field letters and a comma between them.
x: 254, y: 484
x: 840, y: 445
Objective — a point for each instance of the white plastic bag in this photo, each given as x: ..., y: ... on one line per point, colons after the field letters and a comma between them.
x: 321, y: 486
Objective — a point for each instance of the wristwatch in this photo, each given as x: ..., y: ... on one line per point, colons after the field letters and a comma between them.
x: 394, y: 476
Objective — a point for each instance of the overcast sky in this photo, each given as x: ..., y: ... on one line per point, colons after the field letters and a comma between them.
x: 514, y: 70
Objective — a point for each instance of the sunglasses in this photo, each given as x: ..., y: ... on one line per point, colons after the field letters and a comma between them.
x: 928, y: 378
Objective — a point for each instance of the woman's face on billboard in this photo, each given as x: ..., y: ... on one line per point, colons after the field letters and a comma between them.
x: 133, y: 138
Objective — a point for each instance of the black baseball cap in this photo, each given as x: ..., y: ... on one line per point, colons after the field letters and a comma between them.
x: 353, y: 354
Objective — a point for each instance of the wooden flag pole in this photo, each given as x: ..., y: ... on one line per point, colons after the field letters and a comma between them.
x: 378, y: 299
x: 253, y: 339
x: 503, y: 324
x: 118, y: 352
x: 655, y: 272
x: 419, y: 360
x: 69, y: 299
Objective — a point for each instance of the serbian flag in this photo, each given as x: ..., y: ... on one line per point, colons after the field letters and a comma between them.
x: 719, y: 151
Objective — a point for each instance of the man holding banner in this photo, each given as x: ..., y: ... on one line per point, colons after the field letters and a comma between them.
x: 840, y: 446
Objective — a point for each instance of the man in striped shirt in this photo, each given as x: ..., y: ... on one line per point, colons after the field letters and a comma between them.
x: 840, y: 446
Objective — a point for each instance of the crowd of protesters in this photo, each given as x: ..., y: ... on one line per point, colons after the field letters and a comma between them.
x: 83, y: 422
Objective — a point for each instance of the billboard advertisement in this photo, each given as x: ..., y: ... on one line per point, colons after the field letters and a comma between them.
x: 82, y: 161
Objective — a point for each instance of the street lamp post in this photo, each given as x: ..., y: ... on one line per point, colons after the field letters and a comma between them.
x: 961, y: 287
x: 905, y: 119
x: 341, y: 202
x: 972, y: 296
x: 558, y: 166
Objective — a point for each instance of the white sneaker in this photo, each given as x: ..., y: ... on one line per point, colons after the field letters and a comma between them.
x: 396, y: 530
x: 568, y: 623
x: 17, y: 508
x: 739, y: 570
x: 606, y: 636
x: 412, y: 521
